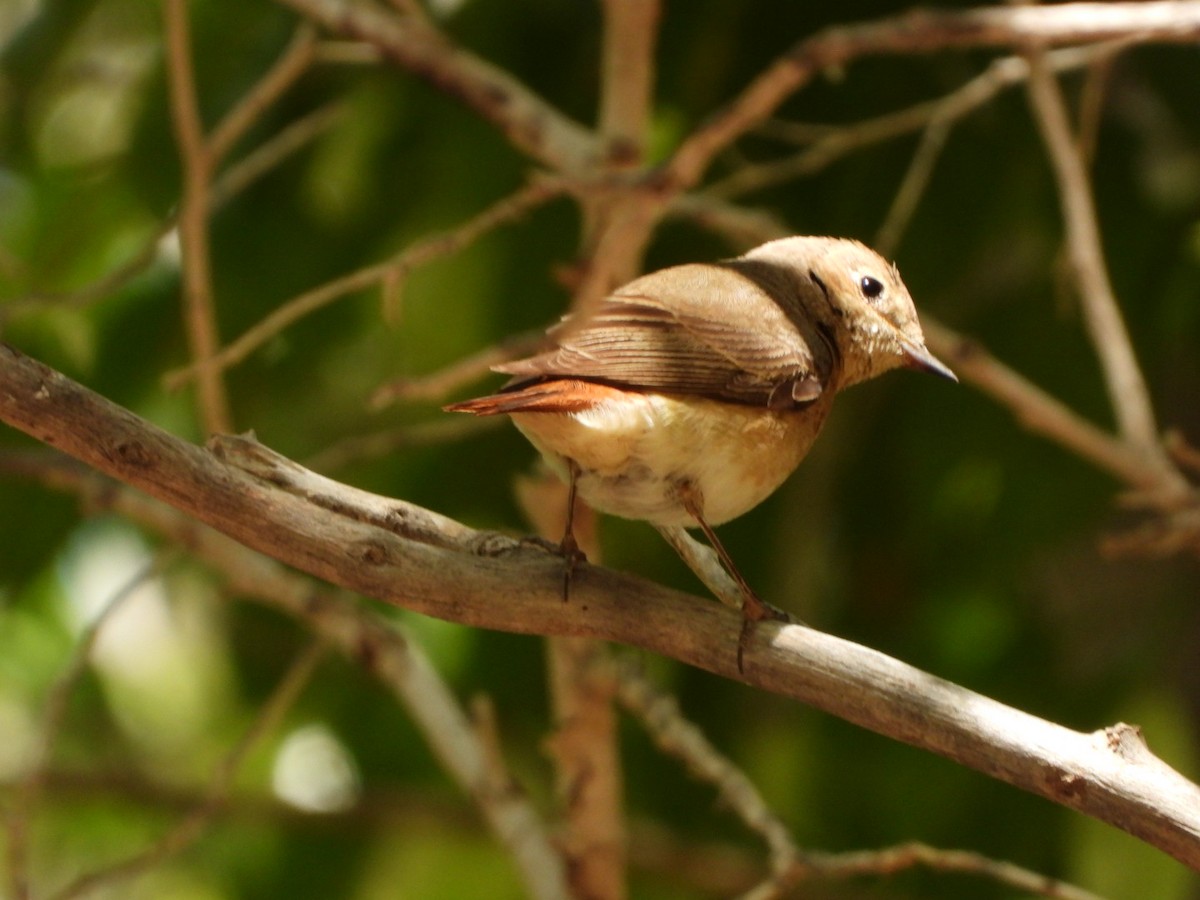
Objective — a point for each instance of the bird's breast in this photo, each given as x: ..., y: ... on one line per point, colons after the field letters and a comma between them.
x: 635, y: 450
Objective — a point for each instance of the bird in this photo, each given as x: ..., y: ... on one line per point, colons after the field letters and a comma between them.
x: 687, y: 396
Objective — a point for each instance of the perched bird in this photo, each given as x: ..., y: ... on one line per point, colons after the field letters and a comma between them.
x: 686, y: 397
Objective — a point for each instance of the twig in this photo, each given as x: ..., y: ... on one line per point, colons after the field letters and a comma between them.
x: 273, y: 151
x: 198, y: 167
x: 530, y: 123
x: 439, y: 385
x: 829, y: 143
x: 411, y: 557
x: 1126, y: 388
x: 704, y: 563
x: 31, y: 785
x: 382, y: 647
x: 911, y: 855
x: 396, y: 268
x: 194, y: 824
x: 229, y: 184
x: 584, y: 745
x: 926, y: 31
x: 660, y: 715
x: 1040, y: 412
x: 913, y: 185
x: 293, y: 63
x: 377, y: 445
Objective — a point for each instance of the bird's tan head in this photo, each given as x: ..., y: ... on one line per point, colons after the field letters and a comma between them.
x: 867, y: 305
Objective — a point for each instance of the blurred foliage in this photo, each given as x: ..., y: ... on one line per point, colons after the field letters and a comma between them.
x: 926, y: 523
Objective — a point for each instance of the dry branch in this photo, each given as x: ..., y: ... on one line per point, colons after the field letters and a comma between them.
x: 415, y: 558
x: 928, y: 31
x: 530, y: 123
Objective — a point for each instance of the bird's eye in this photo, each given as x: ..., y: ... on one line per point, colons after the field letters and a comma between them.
x: 871, y: 287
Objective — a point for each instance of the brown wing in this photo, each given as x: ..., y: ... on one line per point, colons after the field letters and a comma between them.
x: 727, y: 331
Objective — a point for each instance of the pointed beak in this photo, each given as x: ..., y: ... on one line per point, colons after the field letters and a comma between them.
x: 917, y: 357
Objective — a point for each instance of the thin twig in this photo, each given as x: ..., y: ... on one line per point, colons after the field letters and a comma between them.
x: 660, y: 715
x: 31, y: 785
x: 829, y: 143
x: 294, y: 62
x: 925, y: 31
x: 437, y: 386
x: 529, y: 122
x: 200, y: 315
x: 193, y: 825
x: 398, y: 267
x: 379, y: 444
x: 627, y: 78
x: 912, y: 187
x: 1126, y: 388
x: 228, y: 185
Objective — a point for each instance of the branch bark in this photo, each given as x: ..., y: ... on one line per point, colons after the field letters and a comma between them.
x: 412, y: 557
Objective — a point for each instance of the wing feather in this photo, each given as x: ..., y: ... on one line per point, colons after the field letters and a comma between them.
x: 731, y: 331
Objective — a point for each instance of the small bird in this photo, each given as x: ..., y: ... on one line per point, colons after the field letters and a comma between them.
x: 686, y: 397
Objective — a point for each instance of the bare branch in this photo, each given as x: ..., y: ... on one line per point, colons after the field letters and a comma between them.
x: 660, y: 715
x: 927, y: 31
x: 531, y: 124
x: 294, y: 62
x: 1126, y: 387
x: 31, y: 785
x: 192, y: 826
x: 394, y: 269
x: 382, y: 647
x: 584, y: 746
x: 200, y: 314
x: 411, y: 557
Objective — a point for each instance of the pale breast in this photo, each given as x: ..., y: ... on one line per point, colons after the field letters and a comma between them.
x: 634, y: 453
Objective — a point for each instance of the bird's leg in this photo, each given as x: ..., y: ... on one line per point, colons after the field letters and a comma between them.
x: 568, y: 547
x: 754, y: 609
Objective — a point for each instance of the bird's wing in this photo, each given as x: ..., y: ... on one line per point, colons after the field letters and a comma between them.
x: 710, y: 330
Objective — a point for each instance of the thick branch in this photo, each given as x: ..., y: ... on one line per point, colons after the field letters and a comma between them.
x: 411, y: 557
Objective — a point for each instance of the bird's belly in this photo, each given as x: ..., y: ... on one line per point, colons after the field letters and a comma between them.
x: 635, y: 454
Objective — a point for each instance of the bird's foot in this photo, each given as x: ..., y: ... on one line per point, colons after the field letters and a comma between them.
x: 572, y: 556
x: 755, y: 610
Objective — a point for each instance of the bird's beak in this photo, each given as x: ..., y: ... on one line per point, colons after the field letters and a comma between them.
x: 917, y: 357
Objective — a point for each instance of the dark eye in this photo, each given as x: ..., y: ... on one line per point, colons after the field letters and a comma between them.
x: 871, y: 287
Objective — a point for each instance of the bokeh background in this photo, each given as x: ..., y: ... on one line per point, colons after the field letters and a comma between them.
x: 926, y: 523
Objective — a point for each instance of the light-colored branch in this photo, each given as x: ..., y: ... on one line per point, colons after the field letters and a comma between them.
x: 927, y: 31
x: 829, y: 143
x: 1126, y: 388
x: 530, y: 123
x: 200, y: 315
x: 411, y: 557
x: 660, y: 715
